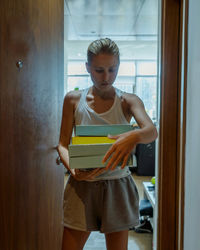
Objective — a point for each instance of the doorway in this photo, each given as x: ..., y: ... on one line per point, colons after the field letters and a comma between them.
x: 108, y: 18
x: 133, y: 25
x: 31, y: 183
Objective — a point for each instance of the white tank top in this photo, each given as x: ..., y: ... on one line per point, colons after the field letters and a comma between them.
x: 84, y: 115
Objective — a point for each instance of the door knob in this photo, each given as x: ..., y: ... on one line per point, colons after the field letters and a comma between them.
x: 19, y: 64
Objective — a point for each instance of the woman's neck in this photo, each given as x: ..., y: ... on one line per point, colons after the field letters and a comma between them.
x: 109, y: 94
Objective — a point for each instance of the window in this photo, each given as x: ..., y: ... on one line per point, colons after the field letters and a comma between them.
x: 146, y: 89
x: 146, y: 68
x: 146, y: 86
x: 138, y: 76
x: 77, y: 76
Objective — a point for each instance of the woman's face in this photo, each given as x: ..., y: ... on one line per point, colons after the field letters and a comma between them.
x: 103, y: 70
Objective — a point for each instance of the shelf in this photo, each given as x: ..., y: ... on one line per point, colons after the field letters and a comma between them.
x: 149, y: 192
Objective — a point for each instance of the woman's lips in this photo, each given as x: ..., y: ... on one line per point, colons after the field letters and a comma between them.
x: 105, y: 84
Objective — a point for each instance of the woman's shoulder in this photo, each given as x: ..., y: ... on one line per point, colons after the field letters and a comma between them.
x: 133, y: 100
x: 130, y: 98
x: 130, y: 95
x: 73, y: 94
x: 126, y: 95
x: 72, y: 97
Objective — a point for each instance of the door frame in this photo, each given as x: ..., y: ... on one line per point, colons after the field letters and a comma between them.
x: 172, y: 126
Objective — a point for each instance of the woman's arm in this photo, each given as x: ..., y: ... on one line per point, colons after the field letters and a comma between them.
x: 70, y: 102
x: 126, y: 142
x: 147, y: 132
x: 66, y: 129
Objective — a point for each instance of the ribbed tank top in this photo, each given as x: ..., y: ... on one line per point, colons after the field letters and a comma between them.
x: 84, y: 115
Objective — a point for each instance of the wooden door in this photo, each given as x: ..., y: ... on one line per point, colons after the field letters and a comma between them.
x: 171, y: 152
x: 31, y: 184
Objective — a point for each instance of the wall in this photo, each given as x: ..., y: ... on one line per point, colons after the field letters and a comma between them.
x: 192, y: 175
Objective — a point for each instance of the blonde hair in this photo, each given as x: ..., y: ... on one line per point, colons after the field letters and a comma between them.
x: 103, y: 45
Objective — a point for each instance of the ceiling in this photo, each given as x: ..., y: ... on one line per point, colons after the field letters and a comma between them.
x: 117, y: 19
x: 132, y: 23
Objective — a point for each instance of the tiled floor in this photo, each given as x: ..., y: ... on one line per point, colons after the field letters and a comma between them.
x: 136, y: 241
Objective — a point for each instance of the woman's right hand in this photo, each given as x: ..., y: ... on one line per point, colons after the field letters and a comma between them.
x: 79, y: 175
x: 88, y: 175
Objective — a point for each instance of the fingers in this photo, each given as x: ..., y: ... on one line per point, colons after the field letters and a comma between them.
x: 72, y: 171
x: 87, y: 175
x: 116, y: 159
x: 92, y: 173
x: 125, y: 161
x: 96, y: 172
x: 109, y: 153
x: 111, y: 149
x: 80, y: 175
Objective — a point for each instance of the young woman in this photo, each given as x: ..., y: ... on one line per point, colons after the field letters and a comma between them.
x: 103, y: 199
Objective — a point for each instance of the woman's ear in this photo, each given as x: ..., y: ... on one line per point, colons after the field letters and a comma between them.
x: 87, y: 67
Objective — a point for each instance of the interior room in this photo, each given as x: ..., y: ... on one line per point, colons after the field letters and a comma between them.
x: 36, y: 72
x: 133, y: 25
x: 32, y: 80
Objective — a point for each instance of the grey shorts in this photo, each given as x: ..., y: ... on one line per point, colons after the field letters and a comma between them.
x: 106, y: 205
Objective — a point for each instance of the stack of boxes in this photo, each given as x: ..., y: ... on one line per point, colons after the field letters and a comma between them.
x: 90, y: 144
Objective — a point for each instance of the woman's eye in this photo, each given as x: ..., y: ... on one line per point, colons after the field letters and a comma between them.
x: 102, y: 71
x: 99, y: 70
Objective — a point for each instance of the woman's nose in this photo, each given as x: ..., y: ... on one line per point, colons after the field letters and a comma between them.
x: 106, y: 76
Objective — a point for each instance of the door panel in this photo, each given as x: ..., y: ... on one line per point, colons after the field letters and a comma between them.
x: 31, y: 184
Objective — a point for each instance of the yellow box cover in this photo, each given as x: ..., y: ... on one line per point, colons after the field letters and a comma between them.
x: 91, y: 140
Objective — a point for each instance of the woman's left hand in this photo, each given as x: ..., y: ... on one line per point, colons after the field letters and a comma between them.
x: 121, y: 149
